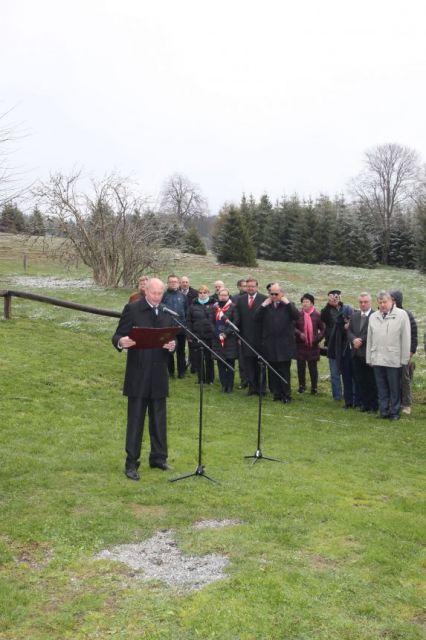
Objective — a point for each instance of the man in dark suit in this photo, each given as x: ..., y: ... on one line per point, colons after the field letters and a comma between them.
x: 276, y: 317
x: 188, y: 291
x: 247, y: 304
x: 191, y: 295
x: 178, y: 302
x: 366, y: 390
x: 242, y: 289
x: 146, y: 382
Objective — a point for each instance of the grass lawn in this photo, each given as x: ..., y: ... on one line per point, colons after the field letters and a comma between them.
x: 329, y: 545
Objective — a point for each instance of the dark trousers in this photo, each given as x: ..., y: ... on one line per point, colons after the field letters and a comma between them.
x: 136, y: 411
x: 349, y: 393
x: 191, y: 357
x: 243, y: 379
x: 226, y: 376
x: 313, y: 373
x: 388, y: 380
x: 365, y: 383
x: 277, y: 387
x: 407, y: 371
x: 252, y: 371
x: 207, y: 374
x: 180, y: 356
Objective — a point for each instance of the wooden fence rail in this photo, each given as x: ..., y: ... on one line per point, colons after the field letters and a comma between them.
x: 8, y: 294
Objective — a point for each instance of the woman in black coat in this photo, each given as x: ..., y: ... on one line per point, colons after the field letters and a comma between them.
x: 309, y: 330
x: 199, y: 322
x: 224, y: 339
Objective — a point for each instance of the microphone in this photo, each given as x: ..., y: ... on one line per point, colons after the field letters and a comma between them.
x: 167, y: 310
x: 232, y: 325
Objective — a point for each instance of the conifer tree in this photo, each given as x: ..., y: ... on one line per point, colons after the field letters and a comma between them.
x: 36, y: 223
x: 193, y: 243
x: 232, y: 243
x: 12, y: 219
x: 421, y: 238
x: 327, y: 221
x: 402, y: 245
x: 261, y: 220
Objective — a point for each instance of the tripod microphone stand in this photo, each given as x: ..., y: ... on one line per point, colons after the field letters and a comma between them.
x: 199, y: 471
x: 258, y: 455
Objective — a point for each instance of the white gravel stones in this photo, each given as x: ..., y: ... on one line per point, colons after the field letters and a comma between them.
x: 160, y: 559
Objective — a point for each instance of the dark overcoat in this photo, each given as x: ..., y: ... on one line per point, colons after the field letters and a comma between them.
x: 229, y: 351
x: 247, y: 321
x: 305, y: 352
x: 199, y: 319
x: 146, y: 369
x: 355, y: 331
x: 276, y: 331
x: 191, y: 295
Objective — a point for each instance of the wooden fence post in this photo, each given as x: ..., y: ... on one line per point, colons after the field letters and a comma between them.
x: 8, y: 306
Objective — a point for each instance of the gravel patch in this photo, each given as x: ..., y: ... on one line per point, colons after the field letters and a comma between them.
x: 160, y: 559
x: 215, y: 524
x: 48, y: 282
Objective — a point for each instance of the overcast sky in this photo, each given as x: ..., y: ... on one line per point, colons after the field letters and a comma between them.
x: 239, y: 96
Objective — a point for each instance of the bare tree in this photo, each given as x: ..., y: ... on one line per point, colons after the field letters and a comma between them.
x: 182, y: 199
x: 386, y: 185
x: 106, y: 228
x: 9, y: 175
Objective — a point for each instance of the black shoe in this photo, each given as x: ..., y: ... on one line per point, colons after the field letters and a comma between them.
x: 286, y: 400
x: 181, y: 375
x: 348, y: 406
x: 243, y: 385
x: 251, y: 392
x: 314, y: 392
x: 383, y: 417
x: 160, y: 465
x: 278, y: 398
x: 132, y: 474
x: 393, y: 417
x: 301, y: 389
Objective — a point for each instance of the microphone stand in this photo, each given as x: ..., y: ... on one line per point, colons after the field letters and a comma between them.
x: 199, y: 471
x: 258, y: 455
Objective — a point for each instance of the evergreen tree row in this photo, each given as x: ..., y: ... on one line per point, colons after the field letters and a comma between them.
x: 322, y: 231
x: 13, y: 220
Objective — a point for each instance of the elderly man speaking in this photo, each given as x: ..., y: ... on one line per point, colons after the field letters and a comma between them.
x: 388, y: 349
x: 146, y: 381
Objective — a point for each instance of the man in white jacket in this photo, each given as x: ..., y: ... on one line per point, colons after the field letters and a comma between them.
x: 388, y: 348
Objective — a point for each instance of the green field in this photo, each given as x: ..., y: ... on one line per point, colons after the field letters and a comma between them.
x: 329, y: 545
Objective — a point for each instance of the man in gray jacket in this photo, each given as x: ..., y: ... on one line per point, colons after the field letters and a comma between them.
x: 388, y: 349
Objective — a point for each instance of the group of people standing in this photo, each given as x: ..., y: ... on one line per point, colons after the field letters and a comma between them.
x: 369, y: 352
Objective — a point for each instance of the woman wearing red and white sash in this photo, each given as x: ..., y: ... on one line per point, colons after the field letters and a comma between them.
x: 309, y: 330
x: 224, y: 339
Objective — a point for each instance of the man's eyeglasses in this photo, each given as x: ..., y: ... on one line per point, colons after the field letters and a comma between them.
x: 274, y: 294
